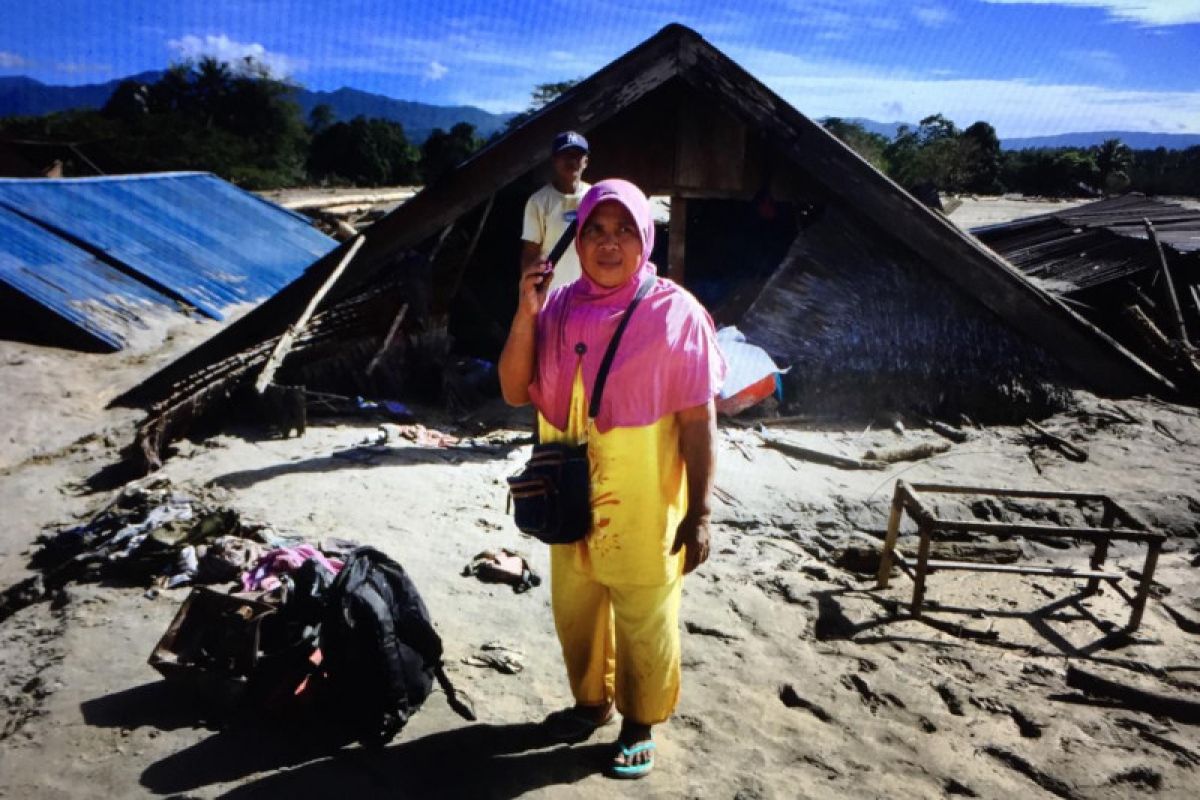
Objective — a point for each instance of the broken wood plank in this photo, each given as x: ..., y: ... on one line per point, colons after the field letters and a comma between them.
x: 1071, y: 451
x: 1179, y: 709
x: 910, y: 453
x: 284, y: 345
x: 466, y: 260
x: 387, y: 340
x: 956, y: 435
x: 819, y: 456
x: 331, y: 201
x: 1168, y: 284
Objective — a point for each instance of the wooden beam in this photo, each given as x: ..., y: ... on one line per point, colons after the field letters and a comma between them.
x: 1037, y: 494
x: 678, y: 242
x: 284, y: 345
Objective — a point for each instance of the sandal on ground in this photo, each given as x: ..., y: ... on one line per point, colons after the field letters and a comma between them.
x: 570, y: 725
x: 623, y: 769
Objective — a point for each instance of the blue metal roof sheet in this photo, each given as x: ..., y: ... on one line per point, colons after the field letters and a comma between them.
x: 190, y: 235
x: 71, y: 282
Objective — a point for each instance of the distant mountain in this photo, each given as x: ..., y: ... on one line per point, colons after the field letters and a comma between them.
x: 884, y: 129
x: 1134, y: 139
x: 21, y: 96
x: 418, y: 119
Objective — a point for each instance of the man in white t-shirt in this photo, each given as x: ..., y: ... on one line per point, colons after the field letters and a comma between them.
x: 552, y: 208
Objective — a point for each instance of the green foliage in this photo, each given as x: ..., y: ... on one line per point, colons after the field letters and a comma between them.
x: 870, y: 146
x: 1168, y: 172
x: 444, y: 150
x: 542, y: 95
x: 1051, y: 172
x: 365, y: 152
x: 982, y: 157
x: 235, y: 120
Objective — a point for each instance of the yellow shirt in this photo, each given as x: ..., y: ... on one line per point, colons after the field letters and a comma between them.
x: 639, y: 495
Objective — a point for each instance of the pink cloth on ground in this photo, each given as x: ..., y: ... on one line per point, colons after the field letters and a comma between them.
x: 264, y: 575
x: 668, y: 358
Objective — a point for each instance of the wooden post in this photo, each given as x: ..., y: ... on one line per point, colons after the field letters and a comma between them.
x: 284, y: 345
x: 1172, y: 298
x: 1101, y: 551
x: 1143, y: 592
x: 889, y: 543
x: 918, y: 598
x: 678, y: 233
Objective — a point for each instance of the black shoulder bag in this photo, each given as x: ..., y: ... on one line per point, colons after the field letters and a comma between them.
x: 551, y: 496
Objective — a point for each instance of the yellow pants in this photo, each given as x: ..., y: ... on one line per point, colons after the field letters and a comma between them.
x: 618, y: 642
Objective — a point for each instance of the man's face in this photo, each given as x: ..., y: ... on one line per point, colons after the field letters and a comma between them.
x: 569, y: 165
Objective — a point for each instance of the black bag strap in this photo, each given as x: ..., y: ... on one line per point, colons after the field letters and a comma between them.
x: 564, y: 241
x: 611, y: 352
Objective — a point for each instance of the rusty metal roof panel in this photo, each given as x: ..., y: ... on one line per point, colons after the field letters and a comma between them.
x: 191, y: 236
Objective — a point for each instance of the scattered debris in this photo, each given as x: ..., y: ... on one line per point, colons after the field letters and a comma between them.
x: 818, y: 456
x: 499, y: 657
x: 503, y: 566
x: 910, y: 453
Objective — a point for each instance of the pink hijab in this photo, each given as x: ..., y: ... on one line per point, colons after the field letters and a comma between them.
x: 667, y: 359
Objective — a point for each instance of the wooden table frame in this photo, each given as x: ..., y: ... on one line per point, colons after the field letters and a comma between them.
x: 908, y: 498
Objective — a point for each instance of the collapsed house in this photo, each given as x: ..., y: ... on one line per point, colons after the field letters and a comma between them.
x: 1129, y: 265
x: 88, y: 262
x: 875, y: 301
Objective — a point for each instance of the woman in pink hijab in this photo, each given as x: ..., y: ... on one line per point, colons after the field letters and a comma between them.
x: 651, y: 447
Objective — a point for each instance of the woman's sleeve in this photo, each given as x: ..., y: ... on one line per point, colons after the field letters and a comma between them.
x: 697, y: 367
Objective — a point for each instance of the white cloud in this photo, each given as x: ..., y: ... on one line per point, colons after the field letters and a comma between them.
x: 1098, y: 62
x: 13, y: 61
x: 222, y: 48
x: 932, y: 16
x: 1015, y: 107
x: 435, y: 71
x: 1145, y: 12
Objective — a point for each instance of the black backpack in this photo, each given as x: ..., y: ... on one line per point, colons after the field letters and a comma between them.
x: 380, y: 652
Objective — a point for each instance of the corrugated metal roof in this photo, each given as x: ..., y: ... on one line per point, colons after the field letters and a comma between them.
x: 1093, y: 244
x: 186, y: 236
x: 84, y: 290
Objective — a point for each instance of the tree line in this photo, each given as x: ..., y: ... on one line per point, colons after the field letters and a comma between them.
x: 240, y: 122
x: 937, y: 154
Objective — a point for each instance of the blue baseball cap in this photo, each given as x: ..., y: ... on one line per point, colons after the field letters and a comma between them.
x: 567, y: 140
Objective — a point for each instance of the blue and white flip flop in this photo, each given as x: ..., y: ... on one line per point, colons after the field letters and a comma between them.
x: 633, y: 770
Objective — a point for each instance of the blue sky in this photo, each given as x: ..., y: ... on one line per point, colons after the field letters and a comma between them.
x: 1027, y: 66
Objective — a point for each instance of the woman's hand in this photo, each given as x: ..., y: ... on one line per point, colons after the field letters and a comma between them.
x: 534, y: 286
x: 692, y: 534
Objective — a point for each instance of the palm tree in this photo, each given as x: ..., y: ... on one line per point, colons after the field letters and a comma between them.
x: 1113, y: 159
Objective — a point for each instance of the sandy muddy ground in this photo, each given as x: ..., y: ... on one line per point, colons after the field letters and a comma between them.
x: 800, y: 679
